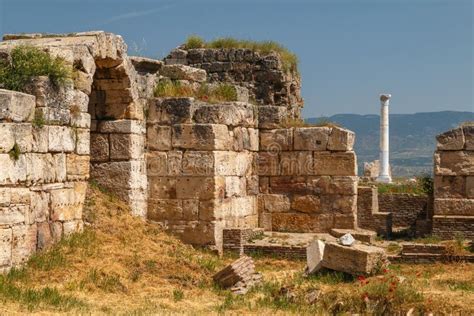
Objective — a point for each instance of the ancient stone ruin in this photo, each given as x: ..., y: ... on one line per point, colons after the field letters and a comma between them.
x: 197, y: 168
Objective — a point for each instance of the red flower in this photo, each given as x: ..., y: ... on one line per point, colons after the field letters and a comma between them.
x: 385, y: 270
x: 361, y: 278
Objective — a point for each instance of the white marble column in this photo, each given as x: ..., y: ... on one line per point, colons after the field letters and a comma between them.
x: 384, y: 174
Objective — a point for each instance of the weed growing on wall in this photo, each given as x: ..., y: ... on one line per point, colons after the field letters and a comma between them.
x: 28, y: 62
x: 289, y: 59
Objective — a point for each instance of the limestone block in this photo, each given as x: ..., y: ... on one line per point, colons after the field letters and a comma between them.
x: 7, y: 141
x: 357, y: 259
x: 77, y: 167
x: 341, y: 139
x: 301, y: 222
x: 16, y: 106
x: 5, y: 247
x: 276, y: 203
x: 23, y: 133
x: 55, y: 116
x: 470, y: 187
x: 270, y: 117
x: 157, y: 163
x: 158, y: 137
x: 165, y: 209
x: 333, y: 185
x: 45, y: 237
x: 235, y: 114
x: 268, y: 163
x: 201, y: 137
x: 296, y: 163
x: 12, y: 171
x: 253, y: 139
x: 83, y: 82
x: 202, y: 188
x: 235, y: 186
x: 66, y: 204
x: 450, y: 187
x: 469, y: 137
x: 314, y: 256
x: 100, y: 150
x: 24, y: 243
x: 120, y: 175
x: 263, y: 184
x: 175, y: 161
x: 71, y: 227
x: 39, y: 205
x: 345, y: 221
x: 5, y: 196
x: 183, y: 72
x: 13, y: 214
x: 40, y: 139
x: 335, y: 163
x: 191, y: 210
x: 311, y: 138
x: 20, y: 196
x: 56, y: 231
x: 198, y: 163
x: 126, y: 146
x: 293, y: 184
x: 346, y: 204
x: 464, y: 207
x: 252, y: 185
x: 169, y: 111
x: 454, y: 163
x: 61, y: 139
x: 122, y: 127
x: 162, y: 187
x: 244, y: 139
x: 310, y: 204
x: 81, y: 120
x: 276, y: 140
x: 83, y: 138
x: 451, y: 140
x: 230, y: 163
x: 81, y: 100
x: 59, y: 167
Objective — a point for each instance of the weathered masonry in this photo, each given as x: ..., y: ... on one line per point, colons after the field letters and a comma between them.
x: 454, y: 183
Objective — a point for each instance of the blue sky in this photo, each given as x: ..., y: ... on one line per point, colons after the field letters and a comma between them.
x: 421, y: 51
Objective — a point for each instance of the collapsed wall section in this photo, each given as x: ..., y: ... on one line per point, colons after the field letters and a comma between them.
x: 262, y: 74
x: 454, y: 184
x: 201, y: 167
x: 307, y: 176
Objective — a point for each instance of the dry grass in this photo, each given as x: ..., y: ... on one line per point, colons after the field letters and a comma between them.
x: 206, y: 93
x: 121, y: 265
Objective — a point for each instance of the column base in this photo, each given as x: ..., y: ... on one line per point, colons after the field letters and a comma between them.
x: 384, y: 179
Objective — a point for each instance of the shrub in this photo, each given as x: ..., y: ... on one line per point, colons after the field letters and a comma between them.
x: 289, y: 59
x: 15, y: 152
x: 27, y: 62
x: 212, y: 94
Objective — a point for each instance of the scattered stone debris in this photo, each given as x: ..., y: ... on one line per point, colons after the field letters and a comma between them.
x: 239, y: 276
x: 314, y: 256
x: 347, y: 240
x: 357, y: 259
x: 313, y: 296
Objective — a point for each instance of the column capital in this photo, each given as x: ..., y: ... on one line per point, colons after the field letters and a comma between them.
x: 384, y: 98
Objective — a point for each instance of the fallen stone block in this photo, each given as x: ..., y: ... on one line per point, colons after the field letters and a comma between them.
x: 314, y: 256
x: 363, y: 235
x: 356, y: 259
x: 239, y: 276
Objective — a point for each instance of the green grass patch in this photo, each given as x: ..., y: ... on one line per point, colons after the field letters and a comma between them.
x: 288, y: 58
x: 422, y: 186
x: 330, y: 277
x: 207, y: 93
x: 458, y: 285
x: 28, y: 62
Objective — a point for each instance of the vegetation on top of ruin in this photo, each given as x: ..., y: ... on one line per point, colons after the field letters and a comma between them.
x: 423, y: 185
x: 288, y: 58
x: 208, y: 93
x: 28, y: 62
x: 467, y: 123
x: 122, y: 265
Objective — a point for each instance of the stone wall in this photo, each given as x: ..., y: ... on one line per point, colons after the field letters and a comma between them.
x: 368, y: 214
x: 454, y: 183
x: 42, y: 190
x: 307, y: 177
x: 263, y: 75
x: 201, y: 167
x: 405, y: 208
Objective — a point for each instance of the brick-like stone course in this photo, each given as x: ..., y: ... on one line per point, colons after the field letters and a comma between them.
x: 405, y: 208
x: 454, y: 184
x: 368, y: 214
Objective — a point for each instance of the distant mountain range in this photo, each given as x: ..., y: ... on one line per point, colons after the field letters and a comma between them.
x: 412, y: 137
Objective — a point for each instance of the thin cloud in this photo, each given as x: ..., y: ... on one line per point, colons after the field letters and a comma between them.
x: 135, y: 14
